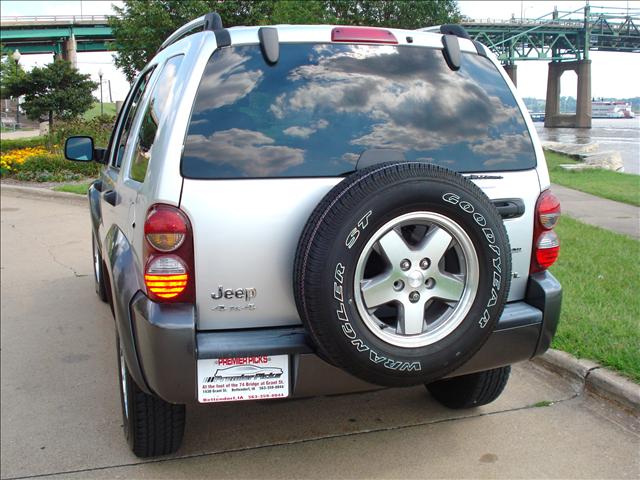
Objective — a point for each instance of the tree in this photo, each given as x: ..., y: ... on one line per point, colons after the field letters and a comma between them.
x: 56, y: 90
x: 409, y: 14
x: 10, y: 74
x: 141, y: 26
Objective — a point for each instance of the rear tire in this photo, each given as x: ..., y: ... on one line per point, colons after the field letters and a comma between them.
x: 152, y: 426
x: 469, y: 391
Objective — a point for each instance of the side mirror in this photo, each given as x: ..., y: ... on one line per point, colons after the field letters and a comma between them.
x: 79, y: 149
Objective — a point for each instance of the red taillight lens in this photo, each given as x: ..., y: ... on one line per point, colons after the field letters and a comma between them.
x: 548, y: 210
x: 362, y: 35
x: 546, y: 244
x: 165, y: 228
x: 168, y: 277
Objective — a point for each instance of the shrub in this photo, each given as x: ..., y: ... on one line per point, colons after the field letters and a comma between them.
x: 41, y: 159
x: 53, y: 168
x: 99, y: 128
x: 13, y: 159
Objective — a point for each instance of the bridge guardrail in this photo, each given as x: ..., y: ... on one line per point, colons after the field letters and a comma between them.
x: 53, y: 19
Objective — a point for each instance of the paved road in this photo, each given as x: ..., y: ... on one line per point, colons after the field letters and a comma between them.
x: 616, y: 216
x: 60, y: 408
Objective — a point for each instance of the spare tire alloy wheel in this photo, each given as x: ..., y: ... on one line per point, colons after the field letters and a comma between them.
x: 402, y: 272
x: 428, y: 302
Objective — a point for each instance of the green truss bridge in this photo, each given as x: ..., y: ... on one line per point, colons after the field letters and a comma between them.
x: 59, y: 35
x: 565, y: 42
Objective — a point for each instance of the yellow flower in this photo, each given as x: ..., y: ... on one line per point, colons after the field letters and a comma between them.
x: 9, y: 160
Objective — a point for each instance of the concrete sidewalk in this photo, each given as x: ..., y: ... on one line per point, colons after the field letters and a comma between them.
x: 615, y: 216
x: 19, y: 134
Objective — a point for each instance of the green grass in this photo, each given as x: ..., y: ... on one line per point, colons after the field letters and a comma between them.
x: 94, y: 111
x: 622, y: 187
x: 79, y: 188
x: 600, y: 274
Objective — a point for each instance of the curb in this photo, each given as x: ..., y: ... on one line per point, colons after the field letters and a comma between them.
x: 593, y: 377
x: 43, y: 194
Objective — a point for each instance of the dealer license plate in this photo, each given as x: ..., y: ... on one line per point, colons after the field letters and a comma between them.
x: 243, y: 378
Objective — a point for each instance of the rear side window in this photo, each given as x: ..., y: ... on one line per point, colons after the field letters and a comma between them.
x: 161, y: 98
x: 132, y: 109
x: 321, y: 106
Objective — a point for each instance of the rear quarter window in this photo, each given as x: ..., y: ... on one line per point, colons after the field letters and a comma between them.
x: 322, y: 105
x: 161, y: 99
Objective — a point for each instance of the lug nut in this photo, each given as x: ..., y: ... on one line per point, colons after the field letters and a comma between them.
x: 405, y: 264
x: 414, y: 297
x: 424, y: 263
x: 430, y: 283
x: 398, y: 285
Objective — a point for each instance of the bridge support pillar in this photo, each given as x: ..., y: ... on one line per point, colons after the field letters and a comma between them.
x: 512, y: 71
x: 583, y: 99
x: 69, y: 51
x: 582, y: 117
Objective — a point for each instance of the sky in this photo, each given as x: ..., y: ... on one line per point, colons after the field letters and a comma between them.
x: 612, y: 74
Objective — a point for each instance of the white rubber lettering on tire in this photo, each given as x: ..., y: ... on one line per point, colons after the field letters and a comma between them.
x: 491, y: 239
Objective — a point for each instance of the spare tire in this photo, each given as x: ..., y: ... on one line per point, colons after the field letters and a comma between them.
x: 402, y: 272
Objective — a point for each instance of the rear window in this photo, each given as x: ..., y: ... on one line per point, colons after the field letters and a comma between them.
x: 322, y: 105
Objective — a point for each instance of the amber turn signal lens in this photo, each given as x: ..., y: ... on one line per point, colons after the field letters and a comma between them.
x: 165, y: 228
x: 166, y: 276
x: 165, y: 242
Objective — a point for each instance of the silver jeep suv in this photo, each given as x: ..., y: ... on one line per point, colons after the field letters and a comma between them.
x: 299, y: 210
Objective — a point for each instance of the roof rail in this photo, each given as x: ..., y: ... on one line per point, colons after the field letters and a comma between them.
x: 210, y: 21
x: 433, y: 29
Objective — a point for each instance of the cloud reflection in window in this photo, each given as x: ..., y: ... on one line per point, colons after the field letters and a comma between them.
x: 252, y: 154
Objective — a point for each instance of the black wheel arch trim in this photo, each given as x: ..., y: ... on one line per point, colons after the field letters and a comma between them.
x: 93, y: 194
x: 125, y: 282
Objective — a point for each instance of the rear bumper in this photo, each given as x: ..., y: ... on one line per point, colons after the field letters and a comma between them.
x: 168, y: 345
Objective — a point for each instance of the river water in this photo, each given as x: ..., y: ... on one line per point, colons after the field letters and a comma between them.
x: 612, y: 134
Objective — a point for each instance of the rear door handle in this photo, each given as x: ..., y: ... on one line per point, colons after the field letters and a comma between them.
x: 509, y: 207
x: 111, y: 197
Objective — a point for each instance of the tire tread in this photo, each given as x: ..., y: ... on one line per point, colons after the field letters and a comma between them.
x: 157, y: 426
x: 469, y: 391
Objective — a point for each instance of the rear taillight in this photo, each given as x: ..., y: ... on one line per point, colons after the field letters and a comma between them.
x: 165, y: 228
x: 546, y: 244
x: 168, y: 255
x: 362, y: 35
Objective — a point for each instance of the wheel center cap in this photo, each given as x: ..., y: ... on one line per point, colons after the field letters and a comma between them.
x: 415, y: 278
